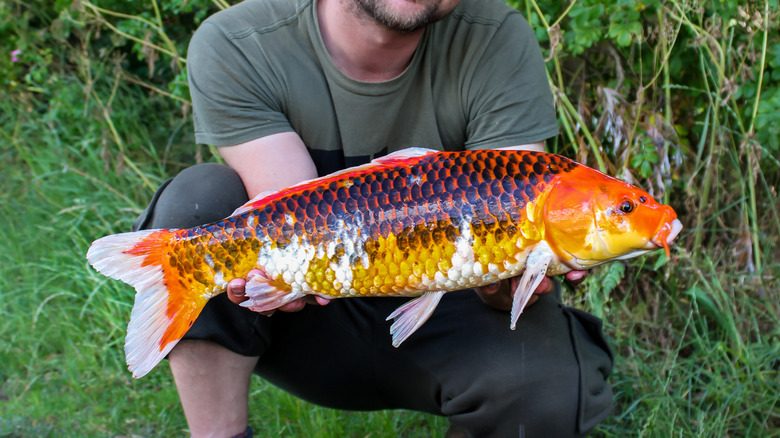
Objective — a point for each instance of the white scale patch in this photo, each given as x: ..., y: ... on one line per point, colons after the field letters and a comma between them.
x: 209, y: 260
x: 463, y: 260
x: 220, y: 285
x: 346, y: 236
x: 290, y: 263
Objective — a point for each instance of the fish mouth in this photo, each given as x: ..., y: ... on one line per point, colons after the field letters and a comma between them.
x: 666, y: 235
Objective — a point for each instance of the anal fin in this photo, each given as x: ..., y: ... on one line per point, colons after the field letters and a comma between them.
x: 410, y: 316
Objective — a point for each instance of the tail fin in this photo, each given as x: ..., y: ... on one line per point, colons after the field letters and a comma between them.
x: 164, y: 308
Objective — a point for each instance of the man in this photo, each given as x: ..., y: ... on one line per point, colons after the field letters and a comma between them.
x: 293, y: 89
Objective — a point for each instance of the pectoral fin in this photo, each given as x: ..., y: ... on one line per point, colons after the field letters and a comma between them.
x: 535, y: 270
x: 412, y: 315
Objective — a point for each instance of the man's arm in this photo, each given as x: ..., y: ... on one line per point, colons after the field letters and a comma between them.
x: 270, y: 163
x: 538, y: 147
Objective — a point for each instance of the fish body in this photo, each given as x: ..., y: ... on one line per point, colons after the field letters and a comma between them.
x: 416, y: 223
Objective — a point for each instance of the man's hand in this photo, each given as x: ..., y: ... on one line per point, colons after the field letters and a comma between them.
x: 499, y: 295
x: 236, y: 291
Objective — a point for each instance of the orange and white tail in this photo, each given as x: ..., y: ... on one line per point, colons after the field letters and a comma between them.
x: 164, y: 308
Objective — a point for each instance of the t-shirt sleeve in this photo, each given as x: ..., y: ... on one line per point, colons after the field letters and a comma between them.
x: 509, y: 100
x: 231, y: 97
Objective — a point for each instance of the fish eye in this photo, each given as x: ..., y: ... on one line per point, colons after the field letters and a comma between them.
x: 642, y: 199
x: 626, y: 207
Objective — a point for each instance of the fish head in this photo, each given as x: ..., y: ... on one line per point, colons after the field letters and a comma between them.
x: 592, y: 218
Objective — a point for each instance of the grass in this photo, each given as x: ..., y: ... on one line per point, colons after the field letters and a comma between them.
x: 697, y: 337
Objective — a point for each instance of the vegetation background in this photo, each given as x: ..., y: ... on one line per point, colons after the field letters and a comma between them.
x: 679, y: 96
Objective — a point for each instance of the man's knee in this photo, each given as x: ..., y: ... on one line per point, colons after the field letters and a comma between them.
x: 569, y: 395
x: 198, y: 195
x: 523, y: 404
x: 552, y: 382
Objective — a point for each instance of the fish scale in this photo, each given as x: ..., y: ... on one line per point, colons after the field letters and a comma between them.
x: 416, y: 223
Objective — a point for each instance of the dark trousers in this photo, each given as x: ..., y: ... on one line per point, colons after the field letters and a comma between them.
x: 547, y: 378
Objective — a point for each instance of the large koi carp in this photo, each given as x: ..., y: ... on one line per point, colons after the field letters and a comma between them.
x: 415, y: 223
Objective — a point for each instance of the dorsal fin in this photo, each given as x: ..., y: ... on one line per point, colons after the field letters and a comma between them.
x: 250, y: 205
x: 389, y: 160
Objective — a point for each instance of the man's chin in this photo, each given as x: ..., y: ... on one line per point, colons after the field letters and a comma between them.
x: 402, y: 16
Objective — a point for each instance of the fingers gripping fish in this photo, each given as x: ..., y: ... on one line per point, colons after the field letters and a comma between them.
x: 416, y: 223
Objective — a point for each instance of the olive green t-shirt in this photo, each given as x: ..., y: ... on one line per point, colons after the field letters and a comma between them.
x: 476, y: 80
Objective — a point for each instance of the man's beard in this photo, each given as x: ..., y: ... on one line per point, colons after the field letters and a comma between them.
x: 378, y: 11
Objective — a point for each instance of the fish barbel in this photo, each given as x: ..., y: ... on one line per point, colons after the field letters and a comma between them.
x: 415, y: 223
